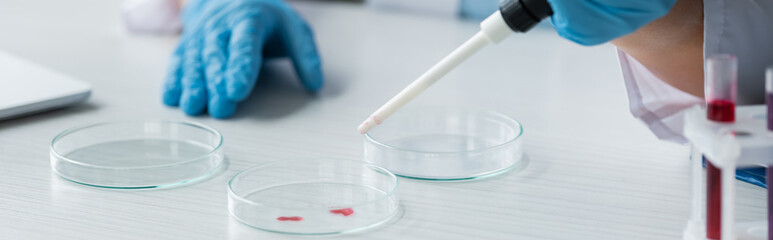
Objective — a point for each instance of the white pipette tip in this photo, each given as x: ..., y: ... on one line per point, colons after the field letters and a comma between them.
x: 368, y: 124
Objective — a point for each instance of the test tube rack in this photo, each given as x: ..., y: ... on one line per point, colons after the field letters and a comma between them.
x: 745, y: 143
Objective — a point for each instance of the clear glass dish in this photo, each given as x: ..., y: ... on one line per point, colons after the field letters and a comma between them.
x: 143, y: 154
x: 314, y: 197
x: 446, y: 144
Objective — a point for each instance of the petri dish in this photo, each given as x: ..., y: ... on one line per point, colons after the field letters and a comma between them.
x: 314, y: 196
x: 446, y: 144
x: 141, y: 154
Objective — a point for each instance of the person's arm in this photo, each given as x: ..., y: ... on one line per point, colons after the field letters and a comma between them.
x: 671, y: 47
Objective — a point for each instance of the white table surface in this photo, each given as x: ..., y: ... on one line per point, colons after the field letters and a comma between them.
x: 594, y: 172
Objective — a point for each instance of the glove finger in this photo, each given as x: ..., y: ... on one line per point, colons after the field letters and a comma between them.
x: 300, y: 47
x: 220, y: 106
x: 215, y: 58
x: 194, y: 94
x: 246, y: 57
x: 172, y: 84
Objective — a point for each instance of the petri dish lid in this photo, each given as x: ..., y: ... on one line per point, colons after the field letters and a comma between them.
x: 137, y: 154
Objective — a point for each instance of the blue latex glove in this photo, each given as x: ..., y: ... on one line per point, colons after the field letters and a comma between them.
x: 591, y: 22
x: 222, y: 48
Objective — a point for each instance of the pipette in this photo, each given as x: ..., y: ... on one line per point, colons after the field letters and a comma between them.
x: 513, y: 16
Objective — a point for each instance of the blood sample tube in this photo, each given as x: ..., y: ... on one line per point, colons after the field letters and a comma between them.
x: 713, y: 201
x: 720, y: 87
x: 769, y: 95
x: 769, y: 182
x: 769, y: 171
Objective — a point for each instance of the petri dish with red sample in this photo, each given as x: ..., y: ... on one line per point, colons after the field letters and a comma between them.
x: 314, y: 196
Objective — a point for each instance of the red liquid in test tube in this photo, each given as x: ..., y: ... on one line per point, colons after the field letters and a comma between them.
x: 720, y: 111
x: 720, y: 87
x: 713, y: 201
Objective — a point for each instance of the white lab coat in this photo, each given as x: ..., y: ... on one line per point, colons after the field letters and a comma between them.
x: 743, y: 28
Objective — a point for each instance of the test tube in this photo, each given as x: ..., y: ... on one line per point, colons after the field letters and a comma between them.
x: 769, y: 183
x: 720, y: 91
x: 769, y: 171
x: 713, y: 201
x: 769, y: 95
x: 720, y: 87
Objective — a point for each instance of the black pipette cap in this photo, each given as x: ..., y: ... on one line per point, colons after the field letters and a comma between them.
x: 522, y: 15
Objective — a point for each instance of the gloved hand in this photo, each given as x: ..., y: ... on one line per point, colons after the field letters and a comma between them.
x: 222, y: 48
x: 591, y: 22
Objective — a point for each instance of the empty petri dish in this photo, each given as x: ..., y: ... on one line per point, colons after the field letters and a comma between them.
x: 143, y: 154
x: 446, y: 144
x: 314, y: 197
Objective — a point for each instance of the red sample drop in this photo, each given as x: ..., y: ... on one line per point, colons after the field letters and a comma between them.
x: 343, y: 211
x: 720, y: 111
x: 295, y: 219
